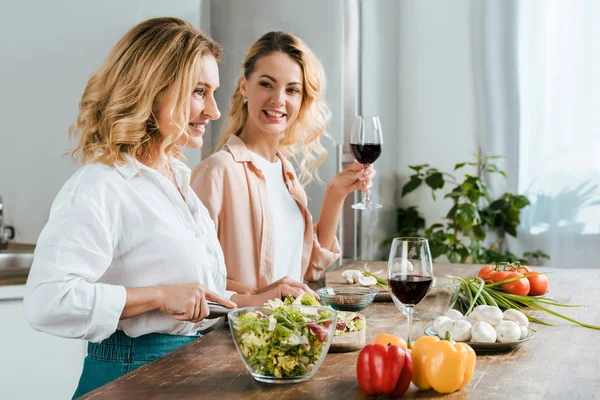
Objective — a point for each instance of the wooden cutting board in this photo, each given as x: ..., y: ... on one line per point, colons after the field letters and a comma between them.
x: 335, y: 278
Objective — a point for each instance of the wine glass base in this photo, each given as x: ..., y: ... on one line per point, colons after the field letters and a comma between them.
x: 366, y: 206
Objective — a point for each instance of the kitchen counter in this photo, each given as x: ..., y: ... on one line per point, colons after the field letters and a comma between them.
x: 15, y: 276
x: 560, y: 362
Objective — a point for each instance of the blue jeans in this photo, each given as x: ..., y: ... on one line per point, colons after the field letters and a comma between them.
x: 121, y: 354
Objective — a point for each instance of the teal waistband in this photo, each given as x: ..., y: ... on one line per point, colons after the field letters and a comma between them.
x: 122, y: 348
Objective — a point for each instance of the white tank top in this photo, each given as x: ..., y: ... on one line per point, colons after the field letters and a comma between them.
x: 288, y: 224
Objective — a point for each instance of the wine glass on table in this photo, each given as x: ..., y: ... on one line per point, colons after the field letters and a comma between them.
x: 410, y: 273
x: 366, y: 139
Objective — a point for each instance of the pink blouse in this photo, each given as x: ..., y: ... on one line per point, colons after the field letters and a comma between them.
x: 233, y: 190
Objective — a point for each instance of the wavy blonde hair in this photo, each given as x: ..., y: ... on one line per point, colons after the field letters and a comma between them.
x: 117, y: 112
x: 302, y: 138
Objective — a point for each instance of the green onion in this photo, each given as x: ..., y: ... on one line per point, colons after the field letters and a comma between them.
x: 474, y: 291
x: 380, y: 281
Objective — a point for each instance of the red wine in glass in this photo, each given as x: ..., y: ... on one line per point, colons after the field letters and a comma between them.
x: 366, y: 138
x: 410, y: 274
x: 410, y: 289
x: 366, y: 153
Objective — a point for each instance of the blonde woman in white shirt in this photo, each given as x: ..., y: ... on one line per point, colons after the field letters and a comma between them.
x: 129, y: 256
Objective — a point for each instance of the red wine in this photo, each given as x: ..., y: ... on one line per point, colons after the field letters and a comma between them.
x: 410, y: 289
x: 366, y: 153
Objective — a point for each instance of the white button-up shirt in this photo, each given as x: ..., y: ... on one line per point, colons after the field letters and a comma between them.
x: 114, y: 227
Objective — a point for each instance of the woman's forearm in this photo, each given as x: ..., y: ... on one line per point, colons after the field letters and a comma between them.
x: 247, y: 300
x: 141, y: 300
x: 329, y: 218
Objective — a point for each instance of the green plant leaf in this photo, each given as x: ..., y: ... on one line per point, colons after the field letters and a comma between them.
x: 474, y: 195
x: 520, y: 201
x: 478, y: 232
x: 437, y: 249
x: 499, y: 204
x: 453, y: 257
x: 452, y: 212
x: 467, y: 215
x: 537, y: 254
x: 511, y: 229
x: 487, y: 217
x: 417, y: 168
x: 453, y: 195
x: 459, y: 166
x: 414, y: 183
x: 435, y: 181
x: 512, y: 213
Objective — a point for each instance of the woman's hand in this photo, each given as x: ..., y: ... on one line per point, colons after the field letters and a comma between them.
x: 287, y: 285
x: 188, y: 302
x: 277, y: 290
x: 354, y: 177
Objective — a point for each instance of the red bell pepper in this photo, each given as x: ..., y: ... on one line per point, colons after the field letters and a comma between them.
x: 384, y: 370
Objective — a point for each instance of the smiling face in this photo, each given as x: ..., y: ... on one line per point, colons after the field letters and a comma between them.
x: 202, y: 106
x: 274, y: 92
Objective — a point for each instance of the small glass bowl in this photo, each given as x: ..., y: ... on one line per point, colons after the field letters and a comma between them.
x: 280, y: 350
x: 347, y: 298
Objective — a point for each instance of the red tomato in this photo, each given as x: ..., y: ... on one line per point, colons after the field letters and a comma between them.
x: 519, y: 287
x: 538, y: 284
x: 497, y: 276
x: 485, y: 272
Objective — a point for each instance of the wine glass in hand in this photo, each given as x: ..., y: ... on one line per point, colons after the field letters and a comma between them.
x: 410, y: 273
x: 366, y: 139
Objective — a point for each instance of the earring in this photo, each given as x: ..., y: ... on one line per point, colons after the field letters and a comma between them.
x: 245, y: 100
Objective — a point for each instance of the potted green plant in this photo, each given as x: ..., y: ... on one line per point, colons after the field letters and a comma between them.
x: 473, y: 217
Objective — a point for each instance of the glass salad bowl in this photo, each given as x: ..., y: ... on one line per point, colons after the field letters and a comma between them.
x: 348, y: 298
x: 282, y: 343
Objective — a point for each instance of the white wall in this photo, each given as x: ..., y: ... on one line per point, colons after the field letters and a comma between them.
x: 48, y: 51
x: 417, y: 75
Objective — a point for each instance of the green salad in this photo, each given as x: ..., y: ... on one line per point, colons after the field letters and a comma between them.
x: 287, y: 342
x: 348, y: 322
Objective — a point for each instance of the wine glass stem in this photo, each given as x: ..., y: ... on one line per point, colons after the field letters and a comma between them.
x: 367, y: 199
x: 409, y: 316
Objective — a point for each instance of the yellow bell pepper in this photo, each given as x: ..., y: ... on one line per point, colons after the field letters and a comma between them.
x: 444, y: 365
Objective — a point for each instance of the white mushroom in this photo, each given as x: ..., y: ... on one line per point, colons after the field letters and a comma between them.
x: 469, y: 319
x: 460, y: 331
x: 352, y: 275
x: 507, y: 331
x: 403, y: 265
x: 524, y: 332
x: 516, y: 316
x: 453, y: 314
x: 367, y: 280
x: 491, y: 315
x: 476, y: 310
x: 437, y: 323
x: 483, y: 332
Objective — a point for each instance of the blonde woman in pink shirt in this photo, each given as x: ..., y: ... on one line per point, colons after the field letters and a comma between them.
x: 249, y: 187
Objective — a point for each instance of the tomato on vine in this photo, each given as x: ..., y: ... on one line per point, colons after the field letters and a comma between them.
x: 485, y: 272
x: 519, y: 287
x: 538, y: 284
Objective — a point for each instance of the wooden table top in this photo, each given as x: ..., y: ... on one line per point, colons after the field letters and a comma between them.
x: 562, y: 361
